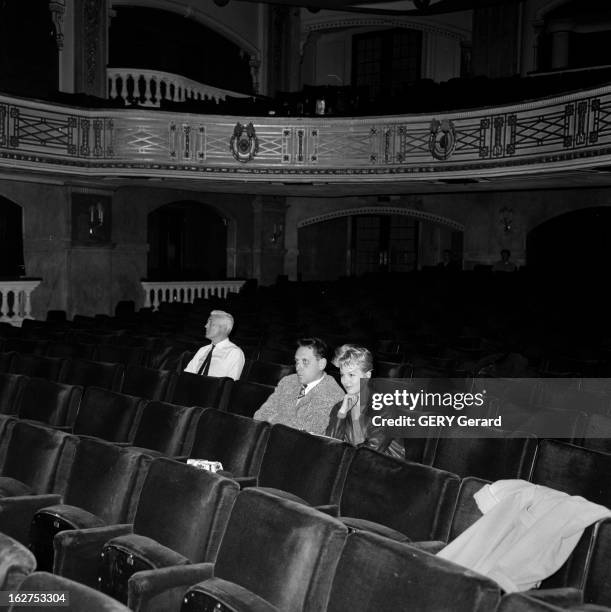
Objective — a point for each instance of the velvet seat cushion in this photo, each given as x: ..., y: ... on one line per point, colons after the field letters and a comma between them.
x: 49, y: 402
x: 16, y: 562
x: 9, y: 487
x: 146, y: 382
x: 203, y: 391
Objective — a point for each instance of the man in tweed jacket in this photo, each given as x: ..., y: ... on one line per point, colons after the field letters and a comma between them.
x: 304, y: 400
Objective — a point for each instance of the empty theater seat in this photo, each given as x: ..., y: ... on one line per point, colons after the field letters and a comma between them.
x: 6, y: 358
x: 126, y: 355
x: 267, y: 373
x: 108, y: 415
x: 49, y: 402
x: 11, y: 386
x: 269, y: 543
x: 399, y: 499
x: 37, y: 365
x: 21, y: 345
x: 237, y: 442
x: 181, y: 517
x: 375, y: 574
x: 147, y: 383
x: 247, y: 397
x: 205, y: 391
x: 74, y: 351
x: 16, y: 562
x: 92, y: 374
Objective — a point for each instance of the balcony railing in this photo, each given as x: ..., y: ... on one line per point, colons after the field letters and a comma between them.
x: 15, y: 300
x: 150, y: 87
x: 186, y: 292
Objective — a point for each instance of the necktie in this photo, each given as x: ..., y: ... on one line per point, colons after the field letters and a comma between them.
x: 301, y: 392
x: 203, y: 371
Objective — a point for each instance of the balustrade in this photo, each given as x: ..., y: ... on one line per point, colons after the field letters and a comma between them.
x: 15, y: 300
x: 149, y: 87
x: 186, y: 292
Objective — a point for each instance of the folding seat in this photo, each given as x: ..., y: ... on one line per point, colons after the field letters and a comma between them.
x: 81, y: 597
x: 147, y: 383
x: 37, y: 365
x: 398, y: 499
x: 92, y: 374
x: 268, y: 373
x: 304, y: 467
x: 275, y: 555
x: 108, y: 415
x: 49, y: 402
x: 247, y: 397
x: 11, y: 386
x: 102, y: 489
x: 73, y: 351
x: 237, y: 442
x: 16, y: 562
x: 126, y: 355
x: 6, y: 358
x: 180, y: 518
x: 166, y: 428
x: 37, y: 460
x: 499, y: 455
x: 19, y: 345
x: 206, y: 391
x: 375, y: 574
x: 574, y: 470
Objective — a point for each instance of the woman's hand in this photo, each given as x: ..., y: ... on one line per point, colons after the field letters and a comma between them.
x: 347, y: 405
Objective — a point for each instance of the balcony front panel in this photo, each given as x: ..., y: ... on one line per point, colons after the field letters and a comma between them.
x: 555, y: 134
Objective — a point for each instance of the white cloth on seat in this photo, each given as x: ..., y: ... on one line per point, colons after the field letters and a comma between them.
x: 526, y: 533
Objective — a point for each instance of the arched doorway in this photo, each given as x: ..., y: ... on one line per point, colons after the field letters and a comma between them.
x: 575, y: 243
x: 11, y: 239
x: 187, y: 241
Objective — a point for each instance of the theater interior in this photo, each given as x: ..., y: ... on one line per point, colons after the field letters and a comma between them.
x: 424, y: 178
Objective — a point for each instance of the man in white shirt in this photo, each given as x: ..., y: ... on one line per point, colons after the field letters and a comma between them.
x: 221, y: 357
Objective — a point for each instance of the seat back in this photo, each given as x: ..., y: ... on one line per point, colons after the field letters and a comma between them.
x: 37, y: 365
x: 92, y: 374
x: 16, y: 562
x: 49, y: 402
x: 6, y: 359
x: 108, y: 415
x: 126, y: 355
x: 237, y: 442
x: 11, y: 386
x: 311, y: 467
x: 415, y: 499
x: 596, y: 433
x: 147, y: 383
x: 39, y: 457
x: 247, y: 397
x: 75, y: 351
x: 185, y: 508
x: 167, y: 428
x: 268, y: 373
x: 574, y: 470
x: 204, y: 391
x: 21, y: 345
x: 271, y: 543
x: 597, y: 587
x: 502, y: 455
x: 81, y: 597
x: 106, y: 480
x: 376, y: 574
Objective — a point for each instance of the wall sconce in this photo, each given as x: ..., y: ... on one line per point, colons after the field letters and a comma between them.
x: 276, y: 234
x: 506, y: 218
x: 96, y: 217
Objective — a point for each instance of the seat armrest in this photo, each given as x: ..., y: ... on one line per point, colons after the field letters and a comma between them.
x: 246, y: 481
x: 77, y: 551
x: 231, y: 595
x: 432, y: 546
x: 16, y: 513
x: 330, y: 509
x: 161, y: 590
x: 564, y: 597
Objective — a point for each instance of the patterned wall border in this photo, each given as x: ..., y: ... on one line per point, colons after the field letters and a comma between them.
x: 383, y: 210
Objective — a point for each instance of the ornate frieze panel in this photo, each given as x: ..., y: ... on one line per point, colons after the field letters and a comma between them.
x: 573, y: 129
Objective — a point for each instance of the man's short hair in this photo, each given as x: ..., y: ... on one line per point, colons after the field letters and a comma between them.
x: 319, y: 348
x: 227, y: 319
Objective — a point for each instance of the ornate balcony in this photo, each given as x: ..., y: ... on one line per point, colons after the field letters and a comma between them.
x: 15, y: 300
x: 150, y: 87
x: 552, y: 135
x: 186, y: 292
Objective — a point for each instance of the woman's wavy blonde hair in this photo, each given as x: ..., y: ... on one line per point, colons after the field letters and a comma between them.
x: 351, y: 354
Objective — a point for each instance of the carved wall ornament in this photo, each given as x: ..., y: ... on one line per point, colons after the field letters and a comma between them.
x: 58, y: 8
x: 442, y: 139
x: 244, y: 144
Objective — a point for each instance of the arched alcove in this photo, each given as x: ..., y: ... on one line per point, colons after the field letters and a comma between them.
x: 372, y: 240
x: 187, y: 241
x: 11, y: 239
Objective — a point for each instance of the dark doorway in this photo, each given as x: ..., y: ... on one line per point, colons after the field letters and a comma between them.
x: 187, y: 241
x: 11, y: 239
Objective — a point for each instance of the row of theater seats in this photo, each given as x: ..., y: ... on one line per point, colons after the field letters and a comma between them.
x: 172, y: 521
